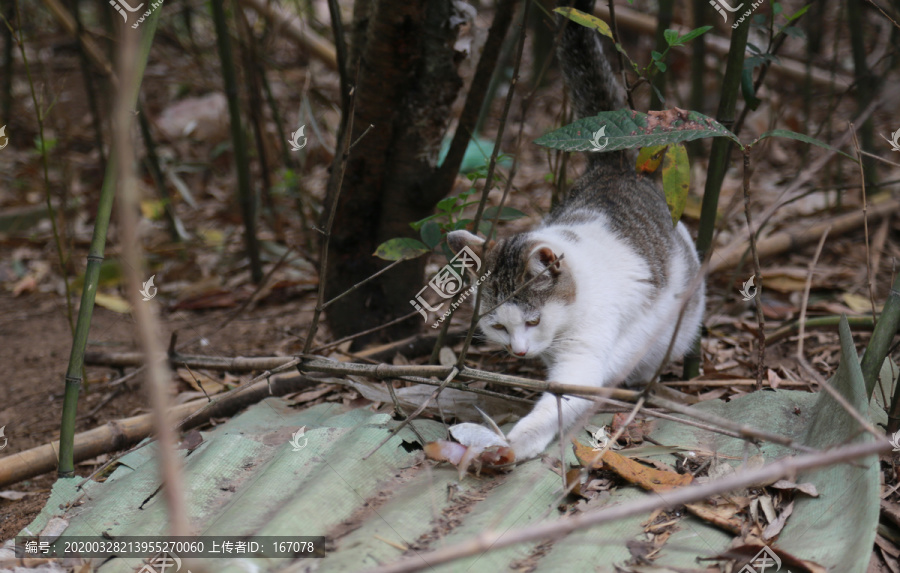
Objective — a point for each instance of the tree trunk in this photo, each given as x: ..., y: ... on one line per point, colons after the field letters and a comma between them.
x: 408, y: 81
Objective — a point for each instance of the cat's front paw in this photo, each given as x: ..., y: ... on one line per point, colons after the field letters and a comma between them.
x: 527, y: 445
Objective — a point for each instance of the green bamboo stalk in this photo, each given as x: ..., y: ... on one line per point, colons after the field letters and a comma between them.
x: 698, y: 71
x: 866, y: 82
x: 92, y: 275
x: 241, y: 160
x: 718, y: 163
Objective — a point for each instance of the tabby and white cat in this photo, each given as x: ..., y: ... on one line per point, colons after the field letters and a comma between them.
x: 618, y: 269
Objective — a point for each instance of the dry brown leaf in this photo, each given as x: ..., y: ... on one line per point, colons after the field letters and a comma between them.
x: 196, y: 378
x: 719, y: 515
x: 648, y: 478
x: 777, y: 525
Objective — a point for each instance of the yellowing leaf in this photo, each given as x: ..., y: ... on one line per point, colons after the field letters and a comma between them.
x: 676, y: 180
x: 649, y: 158
x: 153, y: 210
x: 212, y: 237
x: 858, y: 303
x: 112, y: 302
x: 586, y: 20
x: 785, y: 283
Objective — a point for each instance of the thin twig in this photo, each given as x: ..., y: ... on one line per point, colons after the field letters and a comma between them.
x: 323, y: 262
x: 614, y: 26
x: 419, y: 410
x: 340, y: 341
x: 399, y: 409
x: 364, y: 281
x: 862, y: 182
x: 760, y: 319
x: 39, y: 116
x: 896, y: 25
x: 158, y: 374
x: 806, y: 288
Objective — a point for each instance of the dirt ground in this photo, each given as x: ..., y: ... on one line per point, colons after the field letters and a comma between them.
x: 36, y: 345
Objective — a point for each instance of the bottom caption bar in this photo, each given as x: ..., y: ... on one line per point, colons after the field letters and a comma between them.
x: 185, y: 547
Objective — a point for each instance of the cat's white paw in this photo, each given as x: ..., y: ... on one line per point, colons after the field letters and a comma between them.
x: 527, y: 445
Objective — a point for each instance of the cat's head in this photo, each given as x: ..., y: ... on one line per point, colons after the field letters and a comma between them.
x: 526, y: 322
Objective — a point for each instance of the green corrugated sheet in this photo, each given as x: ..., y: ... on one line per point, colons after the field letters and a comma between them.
x: 245, y: 479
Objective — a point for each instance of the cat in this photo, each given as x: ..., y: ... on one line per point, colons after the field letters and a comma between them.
x: 613, y: 269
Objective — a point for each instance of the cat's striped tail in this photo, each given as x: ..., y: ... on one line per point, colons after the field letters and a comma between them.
x: 592, y: 83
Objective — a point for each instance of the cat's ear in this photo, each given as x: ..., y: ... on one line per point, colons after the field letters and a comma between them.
x: 542, y: 258
x: 460, y: 239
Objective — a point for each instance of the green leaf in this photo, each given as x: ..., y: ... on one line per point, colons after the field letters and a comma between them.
x: 671, y: 37
x: 798, y: 13
x: 417, y: 225
x: 400, y: 249
x: 447, y: 204
x: 661, y: 66
x: 655, y: 55
x: 507, y: 214
x: 431, y: 234
x: 747, y: 88
x: 649, y: 158
x: 794, y: 32
x: 627, y: 129
x: 676, y: 179
x: 693, y: 34
x: 800, y: 137
x: 586, y: 20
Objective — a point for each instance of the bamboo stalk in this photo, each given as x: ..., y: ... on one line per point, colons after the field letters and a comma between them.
x: 776, y: 243
x: 92, y: 273
x: 241, y: 160
x: 120, y: 434
x: 718, y: 165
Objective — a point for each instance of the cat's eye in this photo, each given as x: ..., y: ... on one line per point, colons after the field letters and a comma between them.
x: 498, y: 327
x: 533, y: 322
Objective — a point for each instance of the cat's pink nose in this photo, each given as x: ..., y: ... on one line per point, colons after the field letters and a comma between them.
x: 520, y: 353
